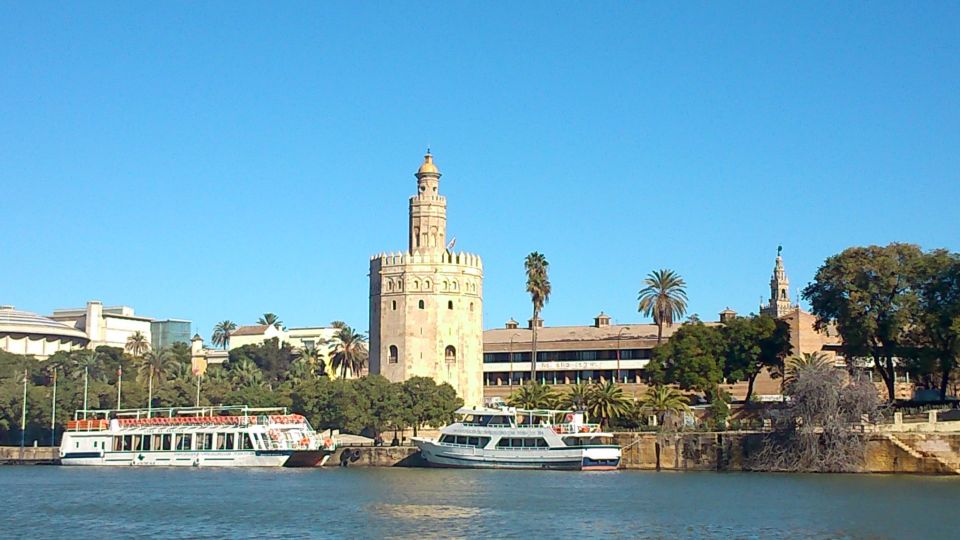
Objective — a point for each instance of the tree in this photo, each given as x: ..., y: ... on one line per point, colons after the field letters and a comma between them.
x: 664, y: 298
x: 692, y: 358
x: 667, y: 404
x: 870, y: 294
x: 607, y: 401
x: 662, y: 400
x: 812, y: 432
x: 577, y: 397
x: 382, y: 402
x: 222, y: 332
x: 311, y: 357
x: 533, y: 396
x: 348, y: 351
x: 538, y: 285
x: 426, y: 403
x: 271, y: 356
x: 155, y: 365
x: 752, y: 344
x: 244, y: 372
x: 804, y: 362
x: 937, y: 329
x: 270, y: 319
x: 137, y: 344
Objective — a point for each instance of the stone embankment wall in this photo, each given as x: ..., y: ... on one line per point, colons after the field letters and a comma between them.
x: 31, y: 454
x: 923, y: 453
x: 377, y: 456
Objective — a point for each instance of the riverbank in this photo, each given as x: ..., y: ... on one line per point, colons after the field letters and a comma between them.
x: 887, y: 453
x: 907, y: 452
x: 32, y: 455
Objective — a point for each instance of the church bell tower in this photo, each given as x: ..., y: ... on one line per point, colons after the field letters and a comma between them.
x: 779, y: 290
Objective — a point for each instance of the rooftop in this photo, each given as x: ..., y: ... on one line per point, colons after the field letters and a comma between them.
x: 13, y: 321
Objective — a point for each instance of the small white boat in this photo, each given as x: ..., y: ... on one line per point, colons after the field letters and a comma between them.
x: 193, y: 437
x: 511, y: 438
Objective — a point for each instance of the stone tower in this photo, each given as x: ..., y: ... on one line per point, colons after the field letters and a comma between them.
x: 779, y: 291
x: 426, y: 303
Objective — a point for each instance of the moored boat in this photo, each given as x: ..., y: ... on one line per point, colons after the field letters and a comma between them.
x: 234, y: 436
x: 512, y: 438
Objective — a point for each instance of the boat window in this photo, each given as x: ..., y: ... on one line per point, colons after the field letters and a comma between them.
x: 117, y: 443
x: 204, y: 441
x: 167, y: 442
x: 185, y: 441
x: 221, y: 441
x: 482, y: 443
x: 127, y: 443
x: 473, y: 441
x: 447, y: 438
x: 136, y: 442
x: 229, y: 444
x: 246, y: 442
x: 156, y: 441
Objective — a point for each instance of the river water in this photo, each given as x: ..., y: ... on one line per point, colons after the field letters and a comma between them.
x: 82, y: 502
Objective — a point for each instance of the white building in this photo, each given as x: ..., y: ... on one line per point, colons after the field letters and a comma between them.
x: 109, y: 326
x: 26, y: 333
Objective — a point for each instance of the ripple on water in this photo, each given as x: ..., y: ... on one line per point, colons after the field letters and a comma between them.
x: 100, y: 503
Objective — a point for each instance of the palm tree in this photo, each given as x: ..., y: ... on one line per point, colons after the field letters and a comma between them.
x: 301, y: 370
x: 533, y: 396
x: 91, y: 363
x: 155, y: 364
x: 606, y: 401
x: 137, y: 344
x: 795, y: 365
x: 576, y: 397
x: 664, y: 298
x: 271, y: 319
x: 221, y: 333
x: 312, y: 358
x: 246, y: 373
x: 538, y: 285
x: 662, y: 400
x: 348, y: 351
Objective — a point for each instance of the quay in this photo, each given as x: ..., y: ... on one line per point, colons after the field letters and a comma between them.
x: 32, y: 455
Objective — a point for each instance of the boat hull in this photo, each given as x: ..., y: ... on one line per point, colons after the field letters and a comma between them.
x: 308, y: 458
x: 570, y: 459
x: 213, y: 458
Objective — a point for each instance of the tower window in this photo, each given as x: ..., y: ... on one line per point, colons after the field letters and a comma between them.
x: 421, y: 304
x: 394, y: 355
x: 450, y: 304
x: 394, y: 305
x: 450, y: 354
x: 471, y: 306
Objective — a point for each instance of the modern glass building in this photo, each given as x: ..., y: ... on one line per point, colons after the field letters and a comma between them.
x: 166, y: 333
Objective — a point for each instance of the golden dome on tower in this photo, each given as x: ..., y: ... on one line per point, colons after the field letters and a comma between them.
x: 428, y: 166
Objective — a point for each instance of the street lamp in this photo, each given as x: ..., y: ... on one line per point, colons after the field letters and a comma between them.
x: 619, y: 335
x: 510, y: 359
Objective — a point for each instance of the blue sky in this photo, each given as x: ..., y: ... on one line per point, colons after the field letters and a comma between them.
x: 219, y: 160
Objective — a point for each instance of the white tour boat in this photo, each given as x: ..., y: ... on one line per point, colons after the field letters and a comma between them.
x: 195, y: 436
x: 521, y: 439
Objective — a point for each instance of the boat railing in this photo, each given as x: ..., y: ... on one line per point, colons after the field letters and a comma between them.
x: 87, y: 425
x: 570, y: 429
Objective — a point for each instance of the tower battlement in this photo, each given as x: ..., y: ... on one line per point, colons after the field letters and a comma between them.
x: 405, y: 258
